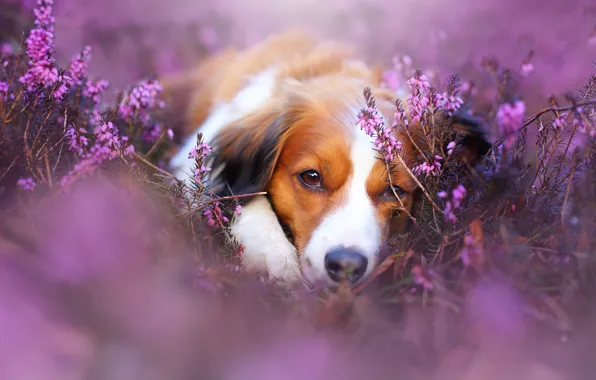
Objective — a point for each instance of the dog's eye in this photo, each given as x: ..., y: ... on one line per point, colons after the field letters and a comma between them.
x: 391, y: 191
x: 310, y: 178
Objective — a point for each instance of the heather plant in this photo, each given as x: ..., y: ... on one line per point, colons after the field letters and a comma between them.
x: 105, y: 242
x: 57, y: 130
x: 511, y: 211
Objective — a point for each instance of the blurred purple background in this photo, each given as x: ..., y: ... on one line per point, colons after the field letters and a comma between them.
x: 132, y: 38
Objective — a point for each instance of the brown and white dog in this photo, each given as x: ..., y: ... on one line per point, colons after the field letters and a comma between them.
x: 281, y: 118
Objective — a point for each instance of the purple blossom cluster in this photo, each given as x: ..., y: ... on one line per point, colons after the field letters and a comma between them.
x: 199, y: 153
x: 431, y: 167
x: 560, y: 121
x: 585, y: 124
x: 6, y: 49
x: 510, y: 118
x: 448, y: 102
x: 371, y: 122
x: 27, y: 184
x: 155, y: 132
x: 452, y: 205
x: 424, y: 99
x: 77, y: 140
x: 40, y: 49
x: 215, y: 217
x: 94, y: 89
x: 400, y: 117
x: 526, y: 69
x: 93, y: 140
x: 418, y: 100
x: 43, y: 71
x: 78, y: 66
x: 4, y: 90
x: 140, y: 100
x: 74, y: 75
x: 450, y: 148
x: 109, y: 145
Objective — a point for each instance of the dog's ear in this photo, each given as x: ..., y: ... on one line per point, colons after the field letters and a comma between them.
x: 474, y: 141
x: 247, y: 151
x: 470, y: 134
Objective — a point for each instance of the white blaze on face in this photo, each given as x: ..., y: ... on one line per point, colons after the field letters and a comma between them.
x: 354, y: 223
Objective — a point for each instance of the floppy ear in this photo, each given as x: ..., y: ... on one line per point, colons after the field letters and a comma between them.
x: 247, y: 152
x: 470, y: 134
x: 474, y: 142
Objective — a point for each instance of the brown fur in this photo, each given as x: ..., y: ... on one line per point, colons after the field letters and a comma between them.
x: 220, y: 77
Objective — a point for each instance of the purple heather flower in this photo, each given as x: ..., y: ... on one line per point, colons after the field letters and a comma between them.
x: 152, y: 134
x: 28, y: 184
x: 109, y: 145
x: 203, y: 149
x: 79, y: 66
x: 510, y: 118
x: 457, y: 195
x: 44, y: 14
x: 417, y: 104
x: 214, y: 216
x: 526, y: 69
x: 418, y: 83
x: 560, y: 121
x: 40, y: 49
x: 95, y: 118
x: 432, y: 167
x: 371, y: 122
x: 140, y: 99
x: 78, y: 142
x: 198, y: 174
x: 61, y: 88
x: 584, y: 127
x: 400, y: 116
x: 6, y: 49
x: 4, y: 88
x: 449, y: 103
x: 94, y: 90
x: 108, y: 134
x: 450, y: 148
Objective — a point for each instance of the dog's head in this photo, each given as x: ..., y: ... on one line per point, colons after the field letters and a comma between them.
x: 330, y: 190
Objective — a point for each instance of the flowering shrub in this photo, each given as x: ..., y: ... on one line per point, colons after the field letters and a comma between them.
x: 88, y: 209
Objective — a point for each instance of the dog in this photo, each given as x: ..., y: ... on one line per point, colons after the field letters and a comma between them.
x: 281, y: 118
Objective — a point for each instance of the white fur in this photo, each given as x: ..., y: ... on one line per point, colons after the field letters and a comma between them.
x: 265, y: 244
x: 354, y: 223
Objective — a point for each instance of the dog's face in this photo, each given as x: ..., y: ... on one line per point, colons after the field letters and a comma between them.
x: 328, y: 186
x: 333, y: 192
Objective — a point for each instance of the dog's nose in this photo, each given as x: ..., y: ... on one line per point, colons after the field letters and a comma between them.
x: 345, y: 264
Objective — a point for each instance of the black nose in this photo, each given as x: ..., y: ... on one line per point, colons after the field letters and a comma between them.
x: 345, y: 264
